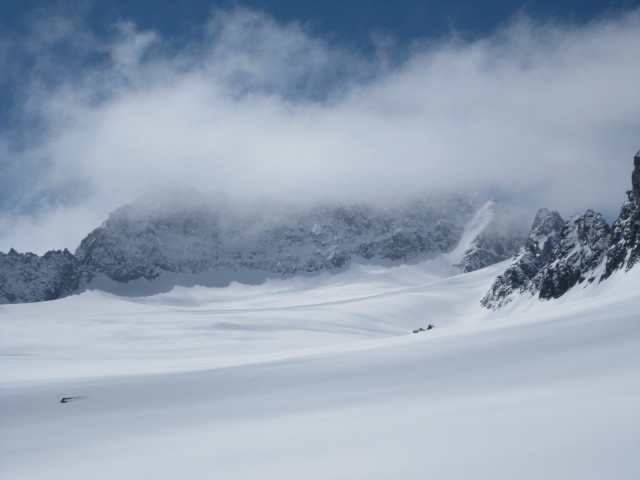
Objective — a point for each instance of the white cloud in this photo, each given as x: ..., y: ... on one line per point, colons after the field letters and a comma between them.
x: 547, y: 115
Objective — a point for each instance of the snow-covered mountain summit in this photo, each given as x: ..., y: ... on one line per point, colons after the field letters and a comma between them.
x: 189, y: 233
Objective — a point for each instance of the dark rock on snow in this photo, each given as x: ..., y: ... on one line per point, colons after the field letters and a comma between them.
x: 537, y: 252
x: 418, y: 330
x: 559, y: 256
x: 583, y: 245
x: 71, y: 399
x: 26, y: 277
x: 624, y: 252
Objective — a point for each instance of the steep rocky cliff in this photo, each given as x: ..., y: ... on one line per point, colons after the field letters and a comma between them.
x: 624, y: 251
x: 25, y: 277
x: 520, y: 276
x: 576, y: 252
x: 584, y: 241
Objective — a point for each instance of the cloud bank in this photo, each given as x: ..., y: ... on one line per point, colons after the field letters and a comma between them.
x: 536, y: 115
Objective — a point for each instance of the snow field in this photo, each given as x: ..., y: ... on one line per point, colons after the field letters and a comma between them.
x: 321, y: 378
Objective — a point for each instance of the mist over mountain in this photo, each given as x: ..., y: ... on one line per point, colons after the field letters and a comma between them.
x: 187, y: 237
x: 259, y: 107
x: 186, y: 233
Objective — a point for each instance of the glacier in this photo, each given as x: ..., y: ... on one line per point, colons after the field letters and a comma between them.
x: 321, y: 377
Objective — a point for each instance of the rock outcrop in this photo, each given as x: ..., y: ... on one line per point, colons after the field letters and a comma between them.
x: 521, y: 275
x: 26, y: 277
x: 583, y: 245
x: 635, y: 178
x: 576, y: 254
x: 624, y: 251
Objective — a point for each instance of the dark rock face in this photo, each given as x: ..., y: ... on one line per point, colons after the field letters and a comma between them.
x: 520, y: 276
x: 26, y: 277
x: 136, y: 243
x: 635, y: 178
x: 583, y: 245
x: 624, y: 252
x: 556, y: 257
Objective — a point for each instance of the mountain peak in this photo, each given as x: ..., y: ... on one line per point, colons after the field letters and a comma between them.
x: 188, y: 234
x: 558, y: 255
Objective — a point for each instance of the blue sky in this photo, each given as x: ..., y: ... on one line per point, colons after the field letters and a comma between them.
x: 345, y: 21
x: 535, y: 103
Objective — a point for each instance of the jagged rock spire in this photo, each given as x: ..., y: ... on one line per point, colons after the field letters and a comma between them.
x: 635, y: 177
x: 624, y: 252
x: 575, y: 255
x: 521, y: 275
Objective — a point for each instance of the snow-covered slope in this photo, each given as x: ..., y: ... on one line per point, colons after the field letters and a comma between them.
x: 322, y: 378
x: 490, y: 237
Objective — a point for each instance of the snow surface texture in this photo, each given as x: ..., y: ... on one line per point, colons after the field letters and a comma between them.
x: 322, y: 378
x: 189, y: 238
x: 558, y: 255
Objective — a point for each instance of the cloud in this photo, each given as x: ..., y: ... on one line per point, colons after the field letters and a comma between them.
x: 536, y: 114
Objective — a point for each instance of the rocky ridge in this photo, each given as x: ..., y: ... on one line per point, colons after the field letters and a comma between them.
x: 26, y: 276
x: 201, y: 234
x: 624, y: 252
x: 522, y: 275
x: 559, y: 255
x: 146, y: 239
